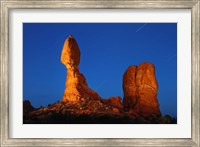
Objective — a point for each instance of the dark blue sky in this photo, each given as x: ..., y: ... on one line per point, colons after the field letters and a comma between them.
x: 107, y: 49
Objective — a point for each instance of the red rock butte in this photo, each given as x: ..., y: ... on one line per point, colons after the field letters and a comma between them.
x: 140, y: 90
x: 139, y: 84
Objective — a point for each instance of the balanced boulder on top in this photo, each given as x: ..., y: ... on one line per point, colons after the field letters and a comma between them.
x: 76, y: 85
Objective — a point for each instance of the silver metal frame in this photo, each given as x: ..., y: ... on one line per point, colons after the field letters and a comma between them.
x: 7, y: 5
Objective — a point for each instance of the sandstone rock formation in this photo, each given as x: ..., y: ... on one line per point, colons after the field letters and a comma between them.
x: 129, y: 87
x: 27, y: 107
x: 76, y: 85
x: 81, y: 105
x: 114, y: 102
x: 139, y: 85
x: 140, y: 90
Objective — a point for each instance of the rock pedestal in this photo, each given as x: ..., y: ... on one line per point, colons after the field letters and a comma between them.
x: 76, y: 85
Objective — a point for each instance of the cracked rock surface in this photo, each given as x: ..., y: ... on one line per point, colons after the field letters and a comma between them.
x: 140, y: 90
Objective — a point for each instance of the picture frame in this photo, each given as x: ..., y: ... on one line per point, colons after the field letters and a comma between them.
x: 7, y: 5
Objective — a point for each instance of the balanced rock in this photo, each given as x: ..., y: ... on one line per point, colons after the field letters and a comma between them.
x: 140, y: 90
x: 76, y: 85
x: 70, y: 56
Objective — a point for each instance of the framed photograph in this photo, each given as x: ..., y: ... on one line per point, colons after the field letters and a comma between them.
x: 100, y: 73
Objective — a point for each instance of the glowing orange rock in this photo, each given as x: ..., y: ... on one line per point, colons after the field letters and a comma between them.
x: 70, y: 56
x: 76, y: 85
x: 140, y: 90
x: 129, y: 87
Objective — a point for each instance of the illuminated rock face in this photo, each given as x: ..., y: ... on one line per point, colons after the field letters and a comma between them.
x: 76, y: 85
x: 70, y: 56
x: 140, y: 90
x: 139, y: 85
x: 129, y: 87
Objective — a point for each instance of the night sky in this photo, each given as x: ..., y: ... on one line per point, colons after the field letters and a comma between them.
x: 107, y: 50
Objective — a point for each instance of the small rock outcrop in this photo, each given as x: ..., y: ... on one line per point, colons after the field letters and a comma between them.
x: 140, y: 90
x: 114, y: 102
x: 76, y: 85
x: 27, y: 107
